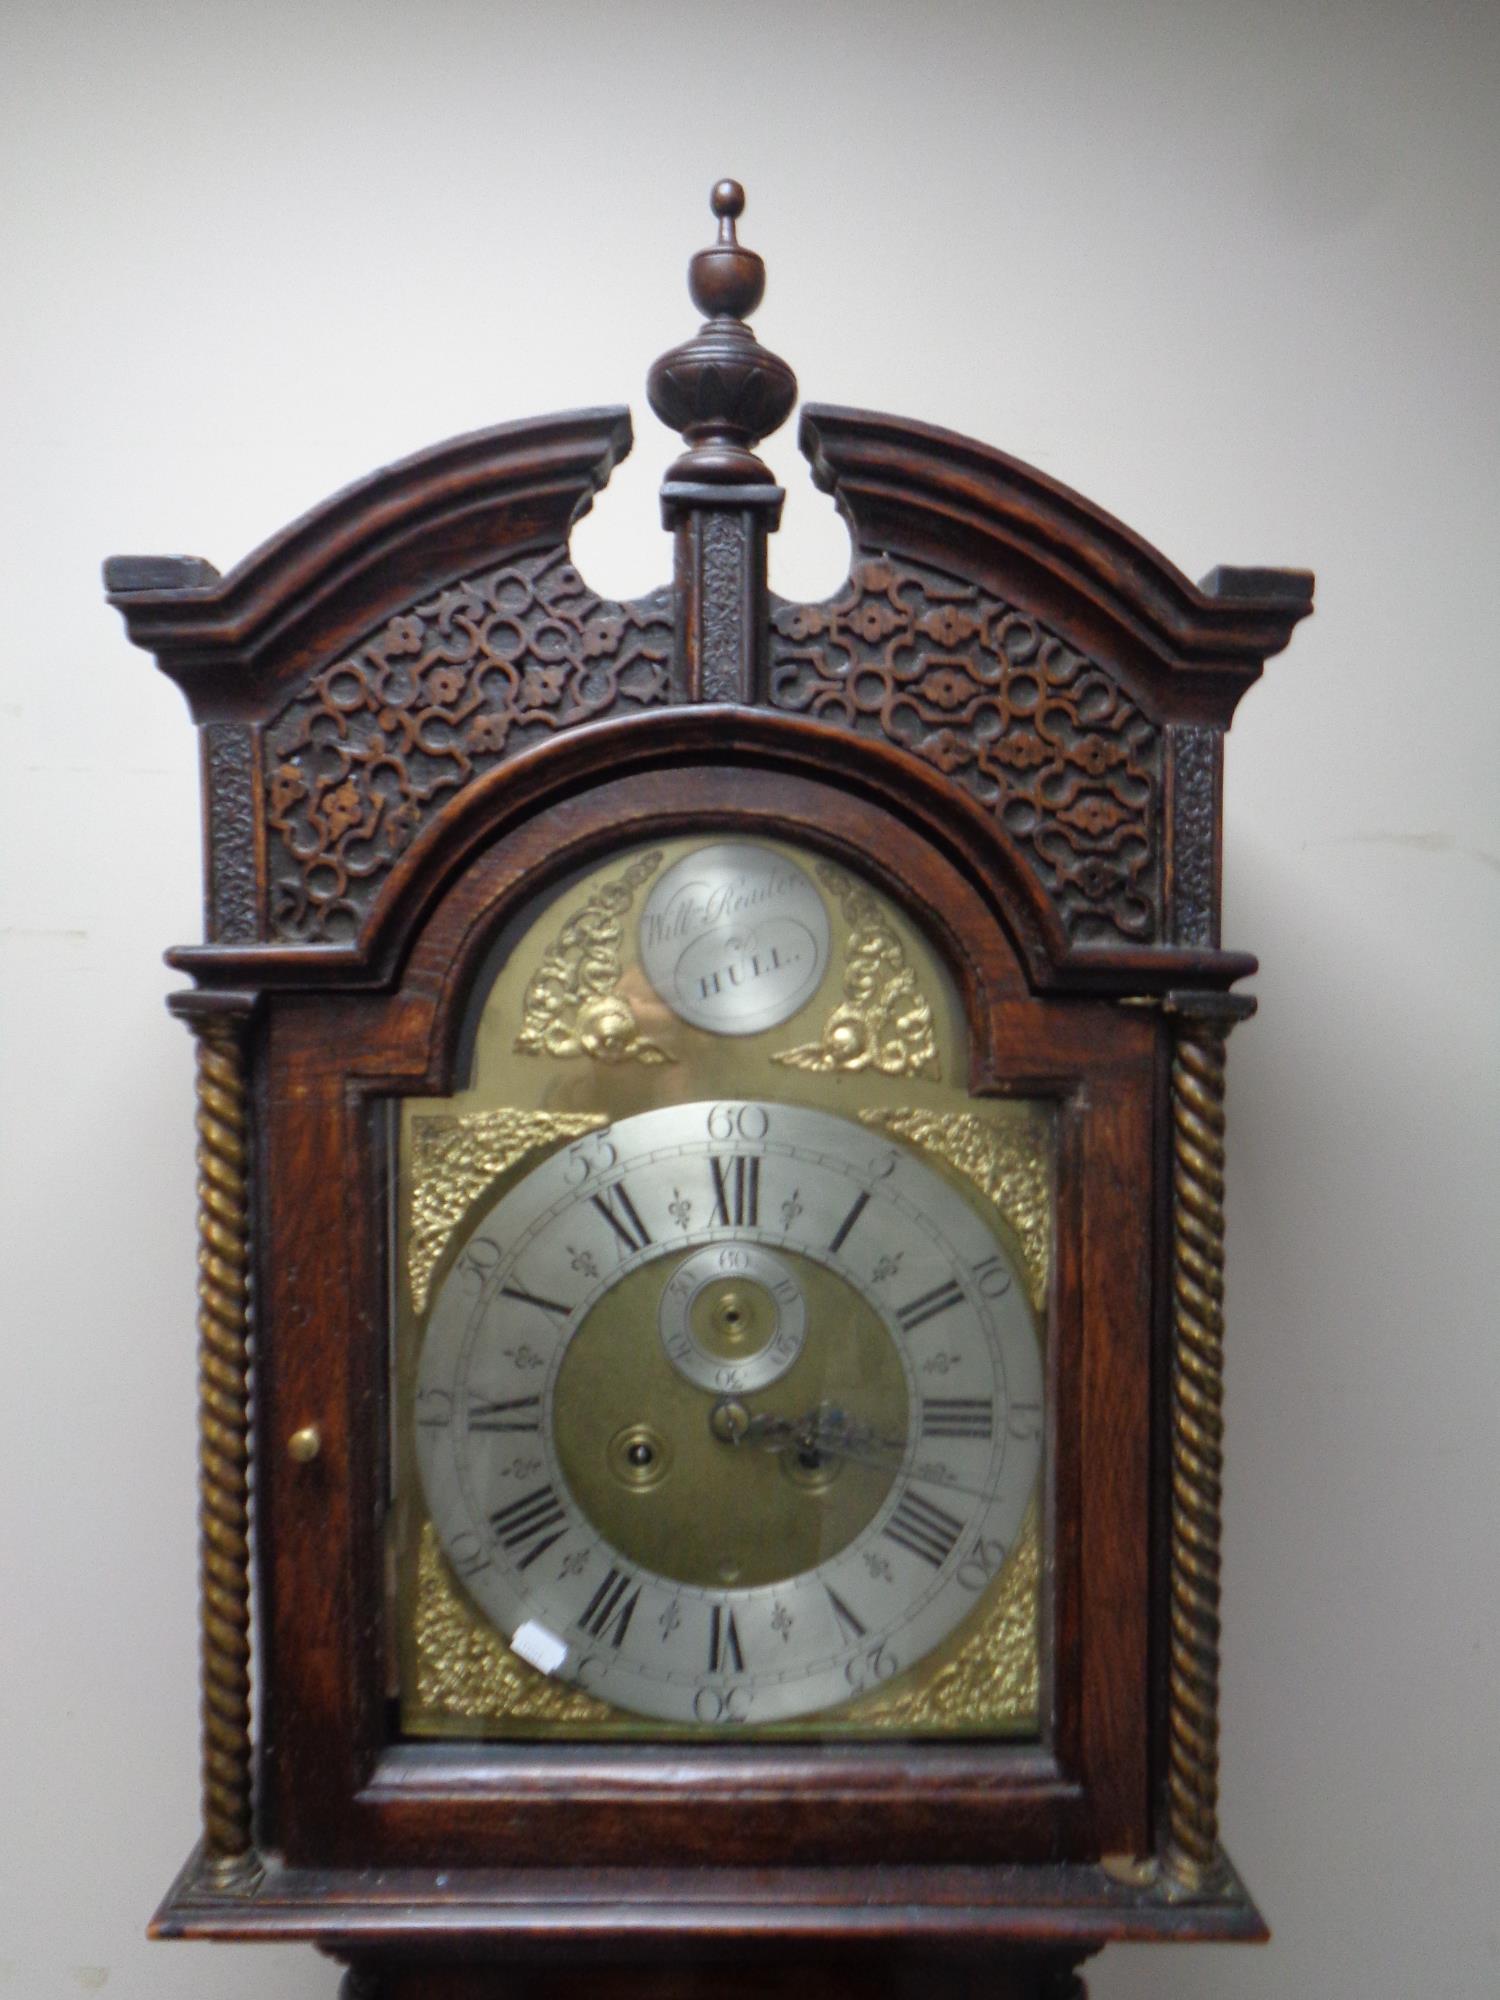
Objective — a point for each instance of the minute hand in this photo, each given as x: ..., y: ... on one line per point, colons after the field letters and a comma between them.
x: 882, y: 1462
x: 855, y: 1443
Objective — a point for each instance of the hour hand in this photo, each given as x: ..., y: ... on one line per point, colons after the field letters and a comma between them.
x: 832, y: 1433
x: 732, y: 1423
x: 826, y: 1429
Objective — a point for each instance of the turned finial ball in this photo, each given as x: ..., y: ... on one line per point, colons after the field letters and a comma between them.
x: 722, y: 389
x: 727, y: 200
x: 726, y: 280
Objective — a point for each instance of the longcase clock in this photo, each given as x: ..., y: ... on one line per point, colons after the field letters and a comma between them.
x: 711, y: 1130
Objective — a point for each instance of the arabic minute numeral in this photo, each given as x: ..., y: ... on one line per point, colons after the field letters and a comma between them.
x: 731, y: 1704
x: 466, y: 1553
x: 594, y: 1155
x: 434, y: 1409
x: 992, y: 1277
x: 869, y: 1669
x: 478, y: 1261
x: 739, y: 1121
x: 981, y: 1563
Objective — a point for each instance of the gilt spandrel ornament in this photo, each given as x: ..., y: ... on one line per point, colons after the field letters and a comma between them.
x: 455, y: 1156
x: 884, y: 1021
x: 573, y: 1004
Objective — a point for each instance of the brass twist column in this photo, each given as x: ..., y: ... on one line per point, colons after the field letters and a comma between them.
x: 1191, y: 1858
x: 224, y: 1445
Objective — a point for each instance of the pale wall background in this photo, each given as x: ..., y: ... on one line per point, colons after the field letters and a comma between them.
x: 1228, y: 268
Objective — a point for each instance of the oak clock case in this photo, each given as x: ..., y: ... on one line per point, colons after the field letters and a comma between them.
x: 710, y: 1144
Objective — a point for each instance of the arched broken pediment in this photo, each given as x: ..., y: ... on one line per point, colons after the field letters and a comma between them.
x: 361, y: 677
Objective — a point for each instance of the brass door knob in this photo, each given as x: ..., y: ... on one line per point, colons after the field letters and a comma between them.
x: 304, y: 1445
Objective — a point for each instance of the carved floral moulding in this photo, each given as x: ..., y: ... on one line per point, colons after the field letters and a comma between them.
x: 378, y: 740
x: 1039, y: 734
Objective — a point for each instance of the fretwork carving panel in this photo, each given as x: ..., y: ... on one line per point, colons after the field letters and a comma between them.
x: 1036, y: 731
x: 375, y: 743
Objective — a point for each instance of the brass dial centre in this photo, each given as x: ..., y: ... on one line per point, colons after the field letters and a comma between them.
x: 733, y: 1318
x: 650, y: 1455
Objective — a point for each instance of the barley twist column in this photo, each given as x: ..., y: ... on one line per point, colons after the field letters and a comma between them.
x: 224, y: 1445
x: 1191, y: 1856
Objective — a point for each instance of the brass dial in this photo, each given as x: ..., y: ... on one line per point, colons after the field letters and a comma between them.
x: 700, y: 1550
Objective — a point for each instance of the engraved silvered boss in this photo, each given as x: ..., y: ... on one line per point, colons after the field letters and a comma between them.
x: 734, y: 937
x: 732, y: 1317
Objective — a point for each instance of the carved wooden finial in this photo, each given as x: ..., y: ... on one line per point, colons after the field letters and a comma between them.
x: 722, y: 389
